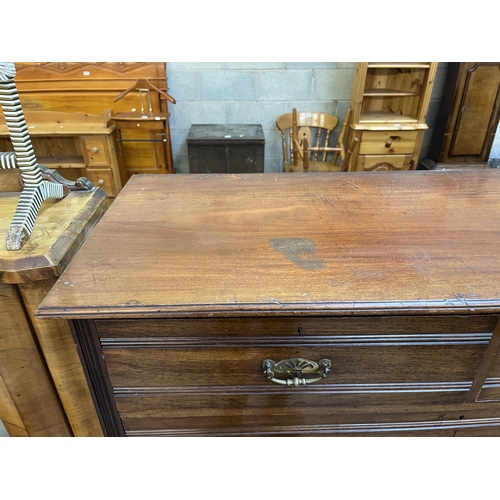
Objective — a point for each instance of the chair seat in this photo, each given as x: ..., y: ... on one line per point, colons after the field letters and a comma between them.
x: 314, y: 166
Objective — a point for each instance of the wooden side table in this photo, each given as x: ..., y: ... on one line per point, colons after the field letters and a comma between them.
x: 43, y: 391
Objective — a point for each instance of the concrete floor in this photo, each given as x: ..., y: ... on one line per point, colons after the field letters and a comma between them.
x: 3, y: 430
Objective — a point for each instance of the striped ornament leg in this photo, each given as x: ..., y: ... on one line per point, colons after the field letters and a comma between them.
x: 36, y: 190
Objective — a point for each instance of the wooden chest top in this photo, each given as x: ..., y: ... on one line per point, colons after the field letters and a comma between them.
x: 350, y: 243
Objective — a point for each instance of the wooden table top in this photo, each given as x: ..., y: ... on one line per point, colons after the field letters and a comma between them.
x: 60, y: 228
x: 350, y: 243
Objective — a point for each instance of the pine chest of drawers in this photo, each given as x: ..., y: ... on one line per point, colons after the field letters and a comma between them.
x: 304, y: 304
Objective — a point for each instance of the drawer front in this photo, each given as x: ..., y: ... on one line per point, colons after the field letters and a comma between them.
x: 293, y: 415
x: 380, y: 163
x: 104, y: 179
x: 388, y: 142
x: 214, y: 390
x: 208, y: 376
x: 298, y: 327
x: 354, y: 362
x: 95, y: 150
x: 144, y: 151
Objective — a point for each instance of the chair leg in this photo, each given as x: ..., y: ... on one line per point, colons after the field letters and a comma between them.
x: 340, y: 142
x: 305, y: 158
x: 350, y: 150
x: 283, y: 145
x: 294, y: 137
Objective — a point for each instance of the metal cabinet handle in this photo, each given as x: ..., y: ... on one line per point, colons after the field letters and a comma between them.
x: 296, y: 369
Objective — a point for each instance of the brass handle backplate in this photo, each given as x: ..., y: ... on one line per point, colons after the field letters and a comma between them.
x: 297, y: 370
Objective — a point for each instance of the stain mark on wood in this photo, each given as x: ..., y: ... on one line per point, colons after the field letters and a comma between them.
x: 300, y: 251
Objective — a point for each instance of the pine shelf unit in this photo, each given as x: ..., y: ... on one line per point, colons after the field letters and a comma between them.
x: 389, y: 105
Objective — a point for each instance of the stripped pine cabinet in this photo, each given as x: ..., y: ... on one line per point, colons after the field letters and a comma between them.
x: 389, y: 106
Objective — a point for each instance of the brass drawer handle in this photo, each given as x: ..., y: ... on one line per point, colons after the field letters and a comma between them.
x: 295, y: 369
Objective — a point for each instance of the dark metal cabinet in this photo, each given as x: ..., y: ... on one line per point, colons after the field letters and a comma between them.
x: 226, y: 149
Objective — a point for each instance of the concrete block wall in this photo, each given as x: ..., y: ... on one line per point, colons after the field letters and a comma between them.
x: 250, y: 93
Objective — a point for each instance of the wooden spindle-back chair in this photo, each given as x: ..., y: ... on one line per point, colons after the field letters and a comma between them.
x: 305, y: 142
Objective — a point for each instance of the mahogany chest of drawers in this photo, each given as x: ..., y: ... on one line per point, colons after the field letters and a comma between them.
x: 298, y: 305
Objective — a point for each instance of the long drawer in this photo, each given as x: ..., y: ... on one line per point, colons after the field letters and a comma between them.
x: 273, y: 415
x: 210, y: 375
x: 437, y: 365
x: 388, y: 142
x: 296, y: 326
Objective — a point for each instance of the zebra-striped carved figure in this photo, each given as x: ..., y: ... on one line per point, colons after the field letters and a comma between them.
x: 39, y: 182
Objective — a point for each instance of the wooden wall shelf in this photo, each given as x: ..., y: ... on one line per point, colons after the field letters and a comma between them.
x: 385, y: 117
x: 399, y: 65
x: 388, y: 93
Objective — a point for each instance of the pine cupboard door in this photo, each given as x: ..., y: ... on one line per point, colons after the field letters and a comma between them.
x: 475, y: 114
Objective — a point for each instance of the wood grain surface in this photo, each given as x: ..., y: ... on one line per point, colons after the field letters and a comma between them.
x: 286, y: 416
x: 43, y: 388
x: 188, y: 283
x: 63, y: 362
x: 350, y: 243
x: 55, y: 238
x: 26, y: 382
x: 203, y: 366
